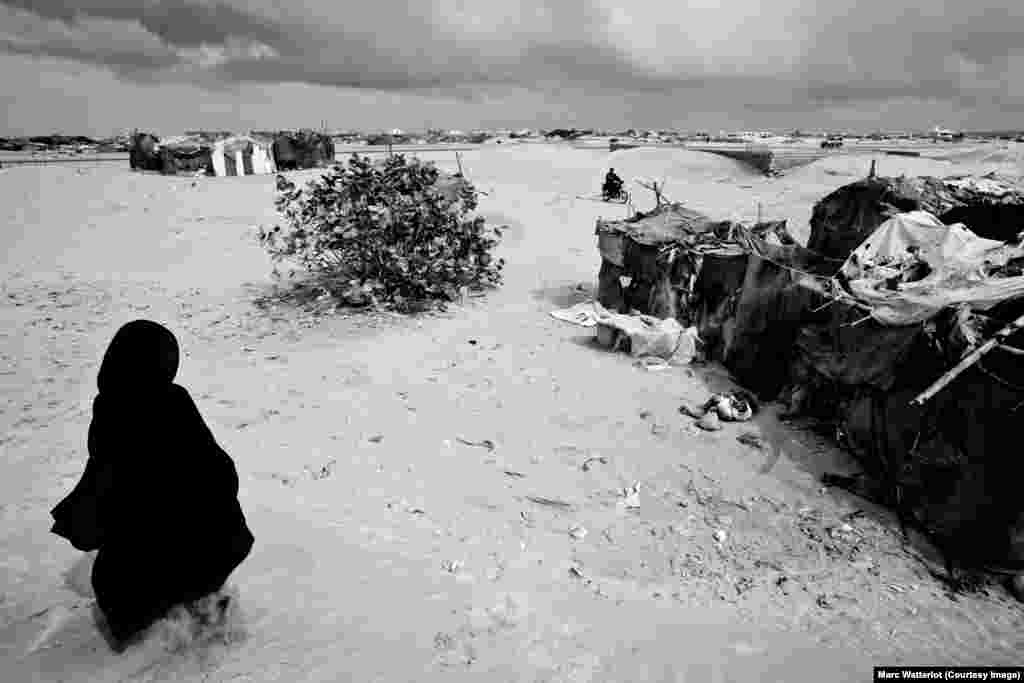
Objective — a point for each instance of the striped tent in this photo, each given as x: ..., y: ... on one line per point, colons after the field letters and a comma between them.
x: 243, y: 155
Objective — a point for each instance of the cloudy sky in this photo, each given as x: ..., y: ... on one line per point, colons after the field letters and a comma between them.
x: 101, y: 66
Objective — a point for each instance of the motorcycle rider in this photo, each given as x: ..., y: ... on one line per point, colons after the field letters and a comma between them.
x: 612, y: 185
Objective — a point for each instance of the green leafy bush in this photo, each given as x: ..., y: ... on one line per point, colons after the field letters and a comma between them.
x: 396, y: 233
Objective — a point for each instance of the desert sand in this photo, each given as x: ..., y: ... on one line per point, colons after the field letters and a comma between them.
x: 387, y: 547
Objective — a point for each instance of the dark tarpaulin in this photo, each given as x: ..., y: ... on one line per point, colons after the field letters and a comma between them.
x: 951, y: 460
x: 610, y: 292
x: 846, y: 217
x: 186, y: 160
x: 284, y: 153
x: 301, y: 150
x: 960, y: 481
x: 143, y: 155
x: 850, y: 350
x: 991, y: 206
x: 667, y: 224
x: 715, y: 294
x: 772, y: 306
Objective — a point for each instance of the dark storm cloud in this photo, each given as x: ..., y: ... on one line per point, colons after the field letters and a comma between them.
x: 103, y: 42
x: 739, y: 55
x: 381, y: 45
x: 121, y: 62
x: 177, y: 22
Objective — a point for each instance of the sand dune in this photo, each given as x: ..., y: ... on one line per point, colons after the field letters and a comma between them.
x: 854, y: 166
x: 680, y: 164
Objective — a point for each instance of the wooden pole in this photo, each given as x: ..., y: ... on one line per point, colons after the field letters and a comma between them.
x: 1011, y: 349
x: 458, y: 160
x: 871, y: 174
x: 968, y: 360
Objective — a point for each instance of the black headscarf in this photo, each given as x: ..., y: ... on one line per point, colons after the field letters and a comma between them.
x: 149, y: 449
x: 142, y: 358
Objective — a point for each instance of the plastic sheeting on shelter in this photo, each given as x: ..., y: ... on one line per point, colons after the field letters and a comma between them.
x: 957, y: 265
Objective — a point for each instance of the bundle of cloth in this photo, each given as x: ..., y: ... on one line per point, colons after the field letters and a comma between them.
x: 734, y: 406
x: 159, y: 497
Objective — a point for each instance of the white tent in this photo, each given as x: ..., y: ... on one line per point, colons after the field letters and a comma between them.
x: 243, y: 155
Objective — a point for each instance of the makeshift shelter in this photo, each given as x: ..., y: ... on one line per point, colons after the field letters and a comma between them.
x: 892, y: 365
x: 185, y: 154
x: 992, y: 205
x: 649, y: 261
x: 293, y: 151
x: 143, y: 155
x: 877, y: 327
x: 243, y: 155
x: 730, y: 281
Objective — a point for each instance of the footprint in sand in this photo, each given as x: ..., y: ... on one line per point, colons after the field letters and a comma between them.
x: 56, y: 618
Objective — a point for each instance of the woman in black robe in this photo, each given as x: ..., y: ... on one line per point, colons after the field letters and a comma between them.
x: 159, y: 496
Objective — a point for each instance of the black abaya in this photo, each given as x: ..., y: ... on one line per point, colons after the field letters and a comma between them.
x: 159, y: 496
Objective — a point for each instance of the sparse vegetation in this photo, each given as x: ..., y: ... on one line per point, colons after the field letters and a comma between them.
x: 394, y: 233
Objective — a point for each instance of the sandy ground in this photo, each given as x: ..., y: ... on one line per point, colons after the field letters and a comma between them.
x: 388, y: 549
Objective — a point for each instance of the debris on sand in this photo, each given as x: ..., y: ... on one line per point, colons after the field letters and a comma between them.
x: 486, y: 443
x: 582, y: 314
x: 578, y: 532
x: 549, y: 502
x: 751, y: 439
x: 866, y: 564
x: 710, y: 422
x: 736, y: 406
x: 646, y: 336
x: 690, y: 411
x: 651, y: 364
x: 631, y: 497
x: 324, y: 471
x: 452, y: 566
x: 586, y: 463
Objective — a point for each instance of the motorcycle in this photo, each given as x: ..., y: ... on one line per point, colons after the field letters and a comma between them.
x: 618, y: 195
